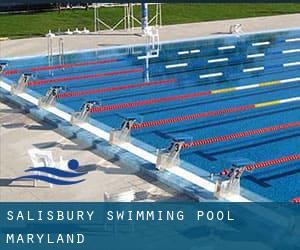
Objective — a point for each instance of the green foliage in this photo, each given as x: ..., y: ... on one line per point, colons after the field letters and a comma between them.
x: 38, y: 24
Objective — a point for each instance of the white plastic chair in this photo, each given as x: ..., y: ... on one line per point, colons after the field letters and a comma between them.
x: 128, y: 196
x: 69, y: 32
x: 40, y: 158
x: 50, y: 34
x: 77, y: 31
x: 236, y: 29
x: 85, y: 31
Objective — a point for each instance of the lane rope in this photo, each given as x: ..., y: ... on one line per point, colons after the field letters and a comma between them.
x: 269, y: 163
x: 191, y: 117
x: 211, y: 113
x: 188, y: 96
x: 111, y: 89
x: 263, y: 164
x: 146, y: 102
x: 240, y: 135
x: 296, y: 200
x: 65, y: 66
x: 80, y: 77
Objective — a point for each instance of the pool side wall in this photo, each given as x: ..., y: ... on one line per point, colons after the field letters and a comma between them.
x: 104, y: 149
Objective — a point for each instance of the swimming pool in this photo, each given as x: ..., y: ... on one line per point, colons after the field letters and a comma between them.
x: 232, y: 99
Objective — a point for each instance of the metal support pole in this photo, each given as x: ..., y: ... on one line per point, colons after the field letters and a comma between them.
x: 95, y: 18
x: 144, y: 15
x: 131, y: 15
x: 50, y: 53
x: 160, y: 15
x: 125, y: 17
x: 61, y: 51
x: 128, y: 16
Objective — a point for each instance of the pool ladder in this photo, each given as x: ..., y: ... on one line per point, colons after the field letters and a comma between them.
x: 61, y: 53
x: 153, y: 48
x: 50, y: 53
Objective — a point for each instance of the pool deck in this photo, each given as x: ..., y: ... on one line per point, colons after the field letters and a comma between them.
x: 18, y: 133
x: 106, y: 176
x: 38, y: 45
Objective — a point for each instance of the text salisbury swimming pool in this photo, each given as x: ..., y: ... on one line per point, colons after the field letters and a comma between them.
x: 60, y: 219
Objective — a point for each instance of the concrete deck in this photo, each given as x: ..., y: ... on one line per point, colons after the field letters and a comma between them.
x: 18, y: 132
x: 36, y: 46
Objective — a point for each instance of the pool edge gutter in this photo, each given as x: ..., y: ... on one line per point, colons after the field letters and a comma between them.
x: 104, y: 149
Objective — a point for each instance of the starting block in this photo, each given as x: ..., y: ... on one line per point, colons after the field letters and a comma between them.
x: 231, y: 185
x: 122, y: 135
x: 3, y: 65
x: 84, y: 113
x: 22, y: 84
x: 170, y: 157
x: 50, y: 97
x: 225, y: 188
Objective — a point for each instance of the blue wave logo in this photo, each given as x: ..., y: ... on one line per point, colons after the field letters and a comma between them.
x: 62, y: 174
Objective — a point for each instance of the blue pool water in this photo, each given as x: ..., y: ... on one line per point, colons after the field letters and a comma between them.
x: 237, y: 61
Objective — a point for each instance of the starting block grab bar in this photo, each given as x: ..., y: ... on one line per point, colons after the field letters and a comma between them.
x: 84, y: 113
x: 22, y: 84
x: 122, y: 135
x: 3, y: 65
x: 170, y: 157
x: 50, y: 97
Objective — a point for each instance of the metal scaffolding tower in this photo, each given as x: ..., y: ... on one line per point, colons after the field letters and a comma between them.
x: 129, y: 20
